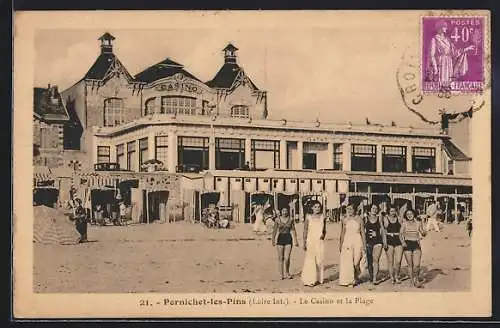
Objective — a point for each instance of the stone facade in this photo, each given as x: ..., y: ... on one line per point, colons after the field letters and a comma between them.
x: 164, y: 88
x: 49, y: 119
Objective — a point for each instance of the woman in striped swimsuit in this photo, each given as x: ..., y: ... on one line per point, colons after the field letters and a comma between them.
x: 394, y: 250
x: 410, y: 235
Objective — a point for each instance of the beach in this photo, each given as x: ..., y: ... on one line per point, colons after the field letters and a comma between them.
x: 189, y: 258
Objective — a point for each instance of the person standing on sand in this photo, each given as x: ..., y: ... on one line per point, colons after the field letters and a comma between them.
x: 284, y: 234
x: 258, y: 211
x: 81, y: 220
x: 432, y: 216
x: 375, y: 240
x: 469, y: 225
x: 411, y: 233
x: 314, y: 237
x: 394, y: 250
x: 352, y: 246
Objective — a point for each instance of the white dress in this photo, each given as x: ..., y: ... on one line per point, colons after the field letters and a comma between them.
x: 350, y: 252
x: 312, y: 271
x: 258, y: 225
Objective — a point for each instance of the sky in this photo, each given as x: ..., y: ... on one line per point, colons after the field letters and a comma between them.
x: 338, y: 71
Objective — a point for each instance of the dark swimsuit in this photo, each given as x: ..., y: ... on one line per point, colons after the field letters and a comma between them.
x: 284, y: 231
x: 372, y: 232
x: 393, y: 233
x: 373, y: 237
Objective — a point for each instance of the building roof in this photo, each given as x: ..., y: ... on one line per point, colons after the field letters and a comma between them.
x: 161, y: 70
x: 48, y: 104
x: 227, y: 76
x: 280, y: 125
x: 230, y: 47
x: 454, y: 152
x: 106, y: 36
x: 106, y: 64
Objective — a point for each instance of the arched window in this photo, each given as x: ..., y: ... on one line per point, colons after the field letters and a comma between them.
x: 150, y: 106
x: 114, y: 113
x: 178, y: 105
x: 239, y: 111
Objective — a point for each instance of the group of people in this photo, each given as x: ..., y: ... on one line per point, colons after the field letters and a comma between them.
x: 362, y: 241
x: 82, y: 216
x: 264, y: 215
x: 211, y: 218
x: 101, y: 217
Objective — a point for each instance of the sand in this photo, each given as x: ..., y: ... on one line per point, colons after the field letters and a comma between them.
x: 188, y: 258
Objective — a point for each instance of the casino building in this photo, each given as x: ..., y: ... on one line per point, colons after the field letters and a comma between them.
x: 216, y: 137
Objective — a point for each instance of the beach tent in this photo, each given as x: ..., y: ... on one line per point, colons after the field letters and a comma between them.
x: 53, y: 227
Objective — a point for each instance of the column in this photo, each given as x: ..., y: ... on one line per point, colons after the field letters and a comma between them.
x: 157, y: 105
x: 439, y: 160
x: 172, y: 152
x: 346, y: 152
x: 151, y: 145
x: 379, y: 158
x: 248, y: 152
x: 93, y: 148
x: 300, y: 155
x: 211, y: 153
x: 330, y: 156
x: 283, y: 154
x: 112, y: 154
x: 136, y: 154
x: 409, y: 159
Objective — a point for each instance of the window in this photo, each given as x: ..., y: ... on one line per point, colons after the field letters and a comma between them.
x: 193, y: 151
x: 143, y: 151
x: 161, y: 149
x: 204, y: 108
x: 265, y: 154
x: 393, y: 159
x: 424, y: 159
x: 178, y: 105
x: 239, y: 111
x: 229, y: 153
x: 150, y: 106
x: 120, y: 156
x: 337, y: 157
x: 103, y: 154
x: 309, y: 161
x: 131, y: 161
x: 363, y: 158
x: 114, y: 113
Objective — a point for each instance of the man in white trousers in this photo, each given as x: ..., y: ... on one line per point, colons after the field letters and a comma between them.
x: 432, y: 213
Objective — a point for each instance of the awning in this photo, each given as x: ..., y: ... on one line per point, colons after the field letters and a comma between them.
x: 411, y: 179
x: 42, y: 174
x: 97, y: 180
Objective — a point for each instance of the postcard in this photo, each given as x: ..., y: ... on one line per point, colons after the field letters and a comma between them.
x: 252, y: 164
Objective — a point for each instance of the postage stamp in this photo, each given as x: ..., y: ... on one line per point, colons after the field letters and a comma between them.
x: 453, y: 54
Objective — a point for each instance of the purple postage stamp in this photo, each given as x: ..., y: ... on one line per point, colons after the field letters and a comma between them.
x: 453, y: 54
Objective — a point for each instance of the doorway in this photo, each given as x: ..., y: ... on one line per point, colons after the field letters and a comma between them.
x: 155, y: 206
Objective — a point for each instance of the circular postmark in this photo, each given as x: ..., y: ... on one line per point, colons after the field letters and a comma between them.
x: 432, y: 108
